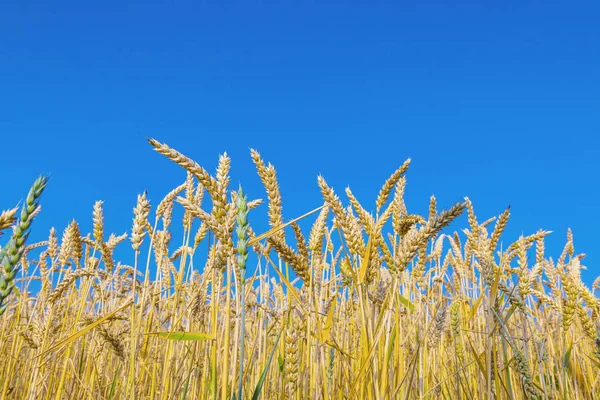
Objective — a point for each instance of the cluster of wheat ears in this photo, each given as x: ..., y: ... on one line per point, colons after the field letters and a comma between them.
x: 366, y: 306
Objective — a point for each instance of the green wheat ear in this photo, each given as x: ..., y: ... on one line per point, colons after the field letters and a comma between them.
x: 11, y: 254
x: 242, y: 229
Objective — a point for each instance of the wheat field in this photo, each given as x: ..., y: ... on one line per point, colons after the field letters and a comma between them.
x: 383, y: 305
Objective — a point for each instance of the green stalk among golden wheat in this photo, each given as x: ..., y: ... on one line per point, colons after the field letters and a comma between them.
x: 383, y: 305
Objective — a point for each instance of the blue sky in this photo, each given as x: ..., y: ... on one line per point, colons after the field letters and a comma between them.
x: 498, y: 101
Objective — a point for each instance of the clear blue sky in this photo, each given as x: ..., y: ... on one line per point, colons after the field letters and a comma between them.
x: 498, y: 101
